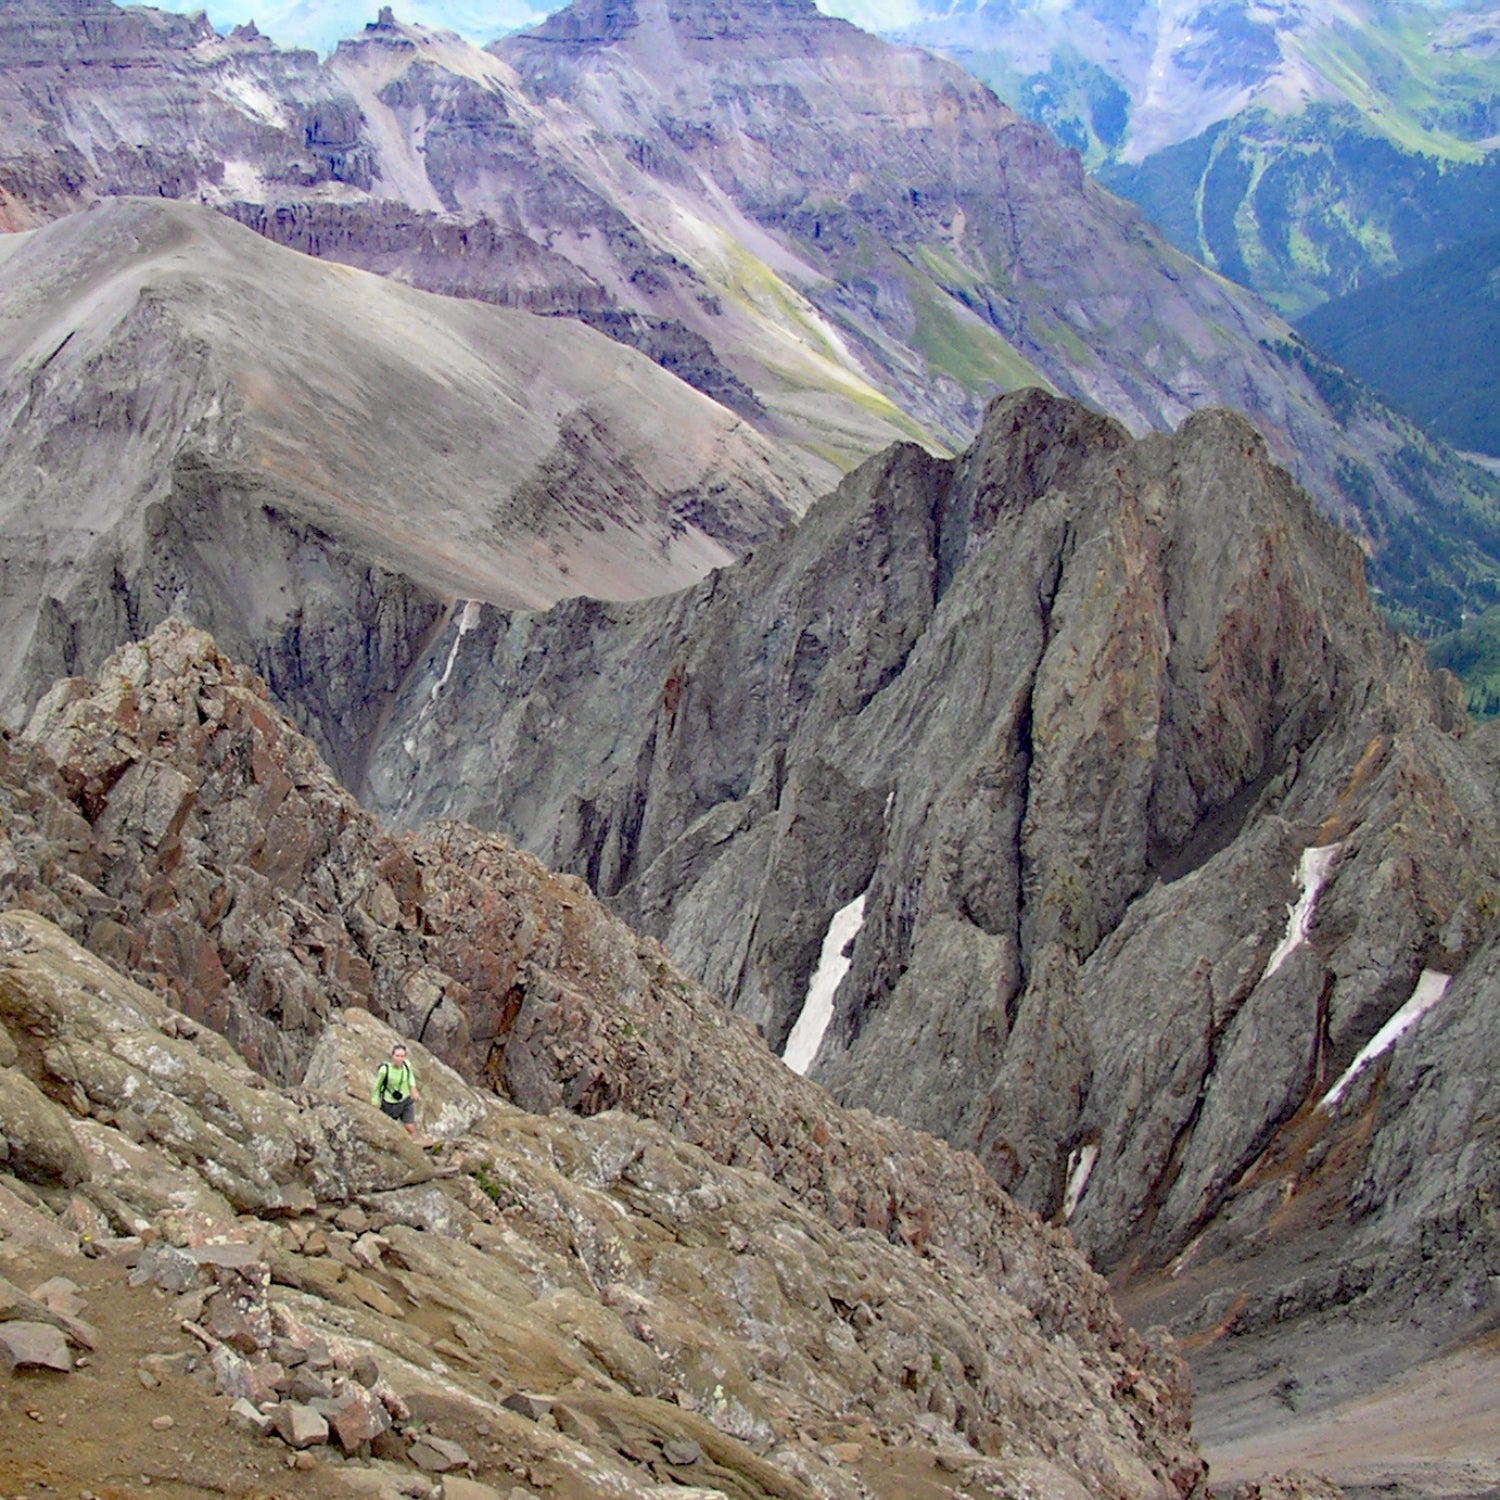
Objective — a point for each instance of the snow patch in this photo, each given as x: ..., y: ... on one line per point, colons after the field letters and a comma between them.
x: 466, y: 622
x: 817, y: 1009
x: 1080, y: 1166
x: 1431, y: 988
x: 1312, y: 873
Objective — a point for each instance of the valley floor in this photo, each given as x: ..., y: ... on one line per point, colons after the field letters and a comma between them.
x: 1432, y: 1435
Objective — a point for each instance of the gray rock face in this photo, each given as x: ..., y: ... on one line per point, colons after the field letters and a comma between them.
x: 1070, y: 710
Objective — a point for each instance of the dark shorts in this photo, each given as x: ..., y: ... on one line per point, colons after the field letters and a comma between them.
x: 400, y: 1109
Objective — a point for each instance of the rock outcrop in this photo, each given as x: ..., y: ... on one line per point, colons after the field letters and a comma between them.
x: 1080, y: 718
x: 708, y: 1289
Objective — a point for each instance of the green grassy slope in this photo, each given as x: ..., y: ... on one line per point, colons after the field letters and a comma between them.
x: 1391, y: 164
x: 1309, y: 207
x: 1472, y: 652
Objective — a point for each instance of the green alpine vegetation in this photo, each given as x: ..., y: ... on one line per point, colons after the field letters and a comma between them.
x: 1309, y: 207
x: 1303, y: 151
x: 1428, y: 340
x: 1472, y: 653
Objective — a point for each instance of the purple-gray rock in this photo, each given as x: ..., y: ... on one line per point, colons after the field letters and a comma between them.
x: 436, y: 1455
x: 34, y: 1346
x: 165, y: 1266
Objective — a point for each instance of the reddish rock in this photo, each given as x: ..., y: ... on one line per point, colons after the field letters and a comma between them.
x: 361, y: 1418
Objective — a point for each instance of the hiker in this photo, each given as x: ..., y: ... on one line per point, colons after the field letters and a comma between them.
x: 395, y: 1090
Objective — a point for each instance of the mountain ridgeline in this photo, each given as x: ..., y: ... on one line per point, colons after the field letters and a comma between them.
x: 1069, y: 712
x: 720, y: 1280
x: 842, y: 241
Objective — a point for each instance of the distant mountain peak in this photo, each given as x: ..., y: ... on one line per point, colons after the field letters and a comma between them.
x: 598, y: 23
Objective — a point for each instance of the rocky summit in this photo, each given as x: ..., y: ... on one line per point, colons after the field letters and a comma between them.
x: 1151, y: 840
x: 699, y: 1271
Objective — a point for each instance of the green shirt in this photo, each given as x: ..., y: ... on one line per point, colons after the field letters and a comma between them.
x: 393, y: 1083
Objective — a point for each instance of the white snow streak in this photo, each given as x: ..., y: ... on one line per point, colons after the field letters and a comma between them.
x: 1080, y: 1165
x: 466, y: 622
x: 1312, y: 872
x: 817, y: 1009
x: 1431, y: 988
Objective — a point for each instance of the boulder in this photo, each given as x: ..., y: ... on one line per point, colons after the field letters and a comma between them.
x: 299, y: 1426
x: 360, y: 1418
x: 437, y: 1455
x: 38, y: 1134
x: 34, y: 1346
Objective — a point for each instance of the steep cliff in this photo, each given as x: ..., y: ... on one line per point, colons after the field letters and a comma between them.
x: 1079, y: 718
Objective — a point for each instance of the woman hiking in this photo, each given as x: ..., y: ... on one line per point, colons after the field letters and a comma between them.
x: 395, y: 1089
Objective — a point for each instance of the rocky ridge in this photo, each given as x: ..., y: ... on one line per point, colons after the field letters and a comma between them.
x: 313, y: 461
x: 1073, y: 714
x: 172, y: 820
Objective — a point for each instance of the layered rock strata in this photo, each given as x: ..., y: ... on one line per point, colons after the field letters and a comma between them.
x: 314, y: 461
x: 848, y: 242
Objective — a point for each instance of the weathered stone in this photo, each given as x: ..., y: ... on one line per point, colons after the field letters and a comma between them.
x: 59, y: 1295
x: 682, y: 1451
x: 299, y: 1426
x: 360, y: 1418
x: 575, y: 1424
x: 126, y: 1249
x: 458, y: 1487
x: 308, y: 1385
x: 373, y: 1296
x: 230, y: 1326
x: 436, y: 1455
x: 368, y: 1250
x: 255, y: 1381
x: 249, y: 1417
x: 165, y: 1266
x: 287, y: 1352
x: 533, y: 1408
x: 40, y: 1142
x: 352, y: 1218
x: 34, y: 1346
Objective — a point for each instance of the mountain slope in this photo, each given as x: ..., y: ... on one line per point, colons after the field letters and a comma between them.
x: 734, y: 194
x: 1123, y: 81
x: 1303, y: 151
x: 313, y: 460
x: 1311, y: 206
x: 698, y: 1276
x: 1426, y: 340
x: 1067, y: 713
